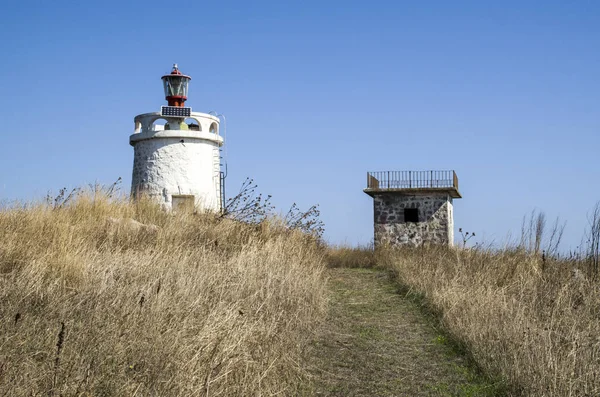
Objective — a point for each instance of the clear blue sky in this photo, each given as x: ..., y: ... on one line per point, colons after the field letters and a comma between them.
x: 317, y: 93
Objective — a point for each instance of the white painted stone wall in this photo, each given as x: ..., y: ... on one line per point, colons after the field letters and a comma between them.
x: 450, y: 206
x: 177, y: 162
x: 435, y: 226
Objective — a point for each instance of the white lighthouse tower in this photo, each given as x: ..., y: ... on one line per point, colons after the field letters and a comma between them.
x: 177, y: 153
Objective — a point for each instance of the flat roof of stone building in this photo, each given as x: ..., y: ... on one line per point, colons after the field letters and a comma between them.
x: 454, y: 193
x: 412, y: 182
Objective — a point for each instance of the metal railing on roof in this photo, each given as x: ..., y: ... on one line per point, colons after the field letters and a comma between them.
x: 383, y: 180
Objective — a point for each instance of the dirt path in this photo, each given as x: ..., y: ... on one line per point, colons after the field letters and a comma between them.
x: 377, y: 343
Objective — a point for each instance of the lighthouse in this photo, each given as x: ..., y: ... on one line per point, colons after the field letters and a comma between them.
x: 176, y: 159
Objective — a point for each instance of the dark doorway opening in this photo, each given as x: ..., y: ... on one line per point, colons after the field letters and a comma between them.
x: 411, y: 215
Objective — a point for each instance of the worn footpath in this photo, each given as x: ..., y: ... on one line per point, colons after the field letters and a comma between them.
x: 376, y: 342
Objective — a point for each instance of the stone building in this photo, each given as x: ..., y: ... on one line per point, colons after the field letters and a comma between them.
x: 413, y: 207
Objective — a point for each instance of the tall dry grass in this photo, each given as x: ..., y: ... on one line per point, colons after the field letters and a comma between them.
x: 532, y: 320
x: 352, y: 257
x: 196, y: 306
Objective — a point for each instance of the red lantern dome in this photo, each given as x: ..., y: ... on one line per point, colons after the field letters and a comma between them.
x: 176, y: 87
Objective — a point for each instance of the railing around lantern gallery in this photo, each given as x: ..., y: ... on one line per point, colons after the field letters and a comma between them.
x: 383, y: 180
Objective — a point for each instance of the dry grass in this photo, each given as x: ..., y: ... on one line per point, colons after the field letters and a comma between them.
x: 350, y: 257
x: 527, y: 319
x: 193, y: 306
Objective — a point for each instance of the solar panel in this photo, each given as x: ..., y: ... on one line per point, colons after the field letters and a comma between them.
x: 175, y: 111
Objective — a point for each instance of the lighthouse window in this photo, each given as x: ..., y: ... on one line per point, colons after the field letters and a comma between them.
x: 213, y: 128
x: 411, y: 215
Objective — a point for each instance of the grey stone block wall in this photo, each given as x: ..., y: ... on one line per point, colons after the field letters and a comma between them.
x: 435, y: 226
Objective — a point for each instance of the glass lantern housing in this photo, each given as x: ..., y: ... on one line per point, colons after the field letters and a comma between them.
x: 176, y: 85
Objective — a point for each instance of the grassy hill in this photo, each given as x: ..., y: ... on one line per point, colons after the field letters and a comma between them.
x: 531, y: 319
x: 104, y: 297
x: 96, y: 303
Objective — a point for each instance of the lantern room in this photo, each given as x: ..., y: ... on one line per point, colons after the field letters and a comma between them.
x: 176, y: 87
